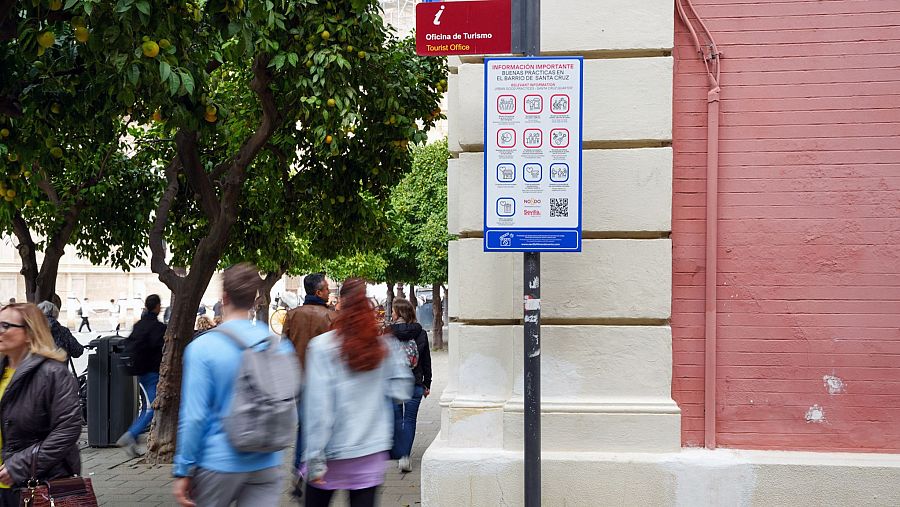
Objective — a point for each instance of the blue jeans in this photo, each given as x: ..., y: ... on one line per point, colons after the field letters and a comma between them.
x: 142, y: 423
x: 298, y: 450
x: 405, y: 424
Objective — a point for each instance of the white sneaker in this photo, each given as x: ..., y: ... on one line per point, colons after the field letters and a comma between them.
x: 404, y: 464
x: 129, y: 445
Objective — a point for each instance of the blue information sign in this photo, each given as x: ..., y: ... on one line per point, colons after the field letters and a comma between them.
x: 532, y: 154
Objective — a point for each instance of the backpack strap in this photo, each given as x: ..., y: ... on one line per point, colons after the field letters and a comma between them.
x: 240, y: 343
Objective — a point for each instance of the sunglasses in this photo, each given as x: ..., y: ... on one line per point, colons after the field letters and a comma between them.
x: 4, y: 326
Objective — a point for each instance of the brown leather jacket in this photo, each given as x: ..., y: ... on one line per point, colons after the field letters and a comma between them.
x: 40, y: 407
x: 304, y: 323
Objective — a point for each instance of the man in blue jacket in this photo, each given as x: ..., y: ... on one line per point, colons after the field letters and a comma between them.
x: 209, y: 471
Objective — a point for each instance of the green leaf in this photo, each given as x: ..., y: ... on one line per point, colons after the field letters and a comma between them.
x: 134, y: 74
x: 277, y: 62
x: 174, y: 84
x: 143, y: 6
x: 188, y: 81
x: 165, y: 70
x: 69, y: 4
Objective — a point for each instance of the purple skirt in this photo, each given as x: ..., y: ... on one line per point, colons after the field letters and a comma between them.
x: 354, y: 473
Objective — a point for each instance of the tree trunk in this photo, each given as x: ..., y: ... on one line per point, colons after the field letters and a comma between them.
x: 401, y: 293
x: 437, y: 327
x: 412, y: 296
x: 46, y: 279
x: 389, y: 304
x: 180, y: 330
x: 28, y: 255
x: 265, y: 295
x: 40, y: 282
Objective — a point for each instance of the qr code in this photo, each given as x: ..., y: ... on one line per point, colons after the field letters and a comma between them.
x: 559, y: 207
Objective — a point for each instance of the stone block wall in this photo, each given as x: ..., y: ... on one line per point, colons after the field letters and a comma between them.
x: 606, y: 343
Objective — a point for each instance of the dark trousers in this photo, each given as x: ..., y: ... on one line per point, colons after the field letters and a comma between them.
x: 316, y: 497
x: 84, y: 322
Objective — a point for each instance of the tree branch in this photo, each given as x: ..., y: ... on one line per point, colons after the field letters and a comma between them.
x: 158, y: 263
x: 236, y: 174
x: 44, y: 184
x: 199, y: 181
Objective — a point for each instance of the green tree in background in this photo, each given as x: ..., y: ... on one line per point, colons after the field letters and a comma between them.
x: 419, y: 215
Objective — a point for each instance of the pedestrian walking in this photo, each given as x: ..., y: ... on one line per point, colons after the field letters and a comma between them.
x: 210, y: 469
x: 348, y: 425
x: 414, y: 342
x: 84, y: 311
x: 301, y: 325
x: 217, y: 309
x: 39, y: 410
x: 114, y: 311
x: 62, y: 337
x: 142, y: 355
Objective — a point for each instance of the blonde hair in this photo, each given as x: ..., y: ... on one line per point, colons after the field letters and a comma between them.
x: 40, y: 341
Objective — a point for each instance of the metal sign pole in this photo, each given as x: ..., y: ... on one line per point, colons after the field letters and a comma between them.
x: 526, y: 38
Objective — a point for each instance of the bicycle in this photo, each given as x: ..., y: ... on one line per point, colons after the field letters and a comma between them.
x: 282, y: 305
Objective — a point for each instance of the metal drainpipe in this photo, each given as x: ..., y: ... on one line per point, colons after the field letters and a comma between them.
x: 712, y: 62
x: 712, y: 243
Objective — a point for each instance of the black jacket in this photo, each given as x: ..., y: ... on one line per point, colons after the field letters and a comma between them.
x: 405, y: 332
x: 40, y: 406
x: 64, y: 339
x: 145, y: 344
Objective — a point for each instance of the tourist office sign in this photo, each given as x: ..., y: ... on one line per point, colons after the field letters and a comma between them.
x: 532, y: 154
x: 464, y: 28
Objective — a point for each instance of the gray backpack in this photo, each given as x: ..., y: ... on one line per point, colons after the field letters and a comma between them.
x: 263, y: 416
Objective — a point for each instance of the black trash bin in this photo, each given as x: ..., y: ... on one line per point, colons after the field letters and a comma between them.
x: 112, y: 397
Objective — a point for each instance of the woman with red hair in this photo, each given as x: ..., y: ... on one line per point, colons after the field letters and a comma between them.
x: 351, y: 373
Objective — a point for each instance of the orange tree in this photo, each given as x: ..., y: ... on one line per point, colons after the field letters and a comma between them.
x: 65, y: 178
x: 225, y: 99
x: 279, y: 121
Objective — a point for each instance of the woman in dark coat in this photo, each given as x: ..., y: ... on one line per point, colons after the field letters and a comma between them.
x: 40, y: 418
x: 61, y: 335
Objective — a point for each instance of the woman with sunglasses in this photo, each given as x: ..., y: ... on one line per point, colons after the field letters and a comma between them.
x: 40, y: 418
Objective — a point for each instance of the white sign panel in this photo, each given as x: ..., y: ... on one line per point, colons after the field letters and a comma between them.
x: 532, y: 154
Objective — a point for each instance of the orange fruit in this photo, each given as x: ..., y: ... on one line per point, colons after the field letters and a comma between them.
x: 150, y: 49
x: 82, y: 34
x: 328, y: 139
x: 46, y: 39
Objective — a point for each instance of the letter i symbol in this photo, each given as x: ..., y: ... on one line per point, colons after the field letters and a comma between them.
x: 437, y: 16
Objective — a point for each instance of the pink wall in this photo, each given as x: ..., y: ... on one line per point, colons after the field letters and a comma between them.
x: 809, y: 233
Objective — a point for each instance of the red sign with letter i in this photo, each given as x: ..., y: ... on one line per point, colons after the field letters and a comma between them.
x: 463, y: 28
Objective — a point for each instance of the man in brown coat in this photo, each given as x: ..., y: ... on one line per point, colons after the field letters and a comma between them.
x: 301, y: 325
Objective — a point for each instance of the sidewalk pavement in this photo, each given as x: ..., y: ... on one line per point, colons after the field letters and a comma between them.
x: 119, y: 481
